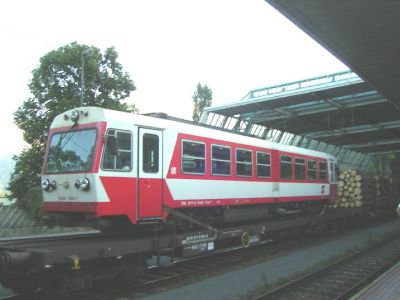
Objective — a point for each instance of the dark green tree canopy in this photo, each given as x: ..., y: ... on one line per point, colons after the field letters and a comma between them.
x: 202, y: 98
x: 56, y: 87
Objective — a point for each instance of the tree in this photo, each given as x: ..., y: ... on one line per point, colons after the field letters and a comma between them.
x: 202, y: 98
x: 55, y: 88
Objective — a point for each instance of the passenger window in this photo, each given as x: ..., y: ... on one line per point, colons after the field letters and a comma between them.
x: 312, y: 169
x: 150, y: 153
x: 322, y: 171
x: 263, y: 164
x: 336, y: 172
x: 122, y: 160
x: 299, y: 168
x: 193, y: 157
x: 286, y: 167
x: 220, y: 160
x: 244, y: 162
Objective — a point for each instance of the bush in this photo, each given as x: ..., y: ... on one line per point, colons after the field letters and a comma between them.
x: 32, y: 202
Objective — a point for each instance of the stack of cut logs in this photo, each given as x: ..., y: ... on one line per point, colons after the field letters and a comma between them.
x: 374, y: 193
x: 350, y: 189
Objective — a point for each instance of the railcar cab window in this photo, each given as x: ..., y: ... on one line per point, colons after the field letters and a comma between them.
x: 119, y: 159
x: 299, y: 168
x: 263, y: 164
x: 322, y: 171
x: 193, y: 157
x: 286, y: 167
x: 312, y: 169
x: 244, y: 162
x: 220, y: 160
x: 71, y: 151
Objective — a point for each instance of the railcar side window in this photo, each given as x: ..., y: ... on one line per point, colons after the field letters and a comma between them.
x: 150, y: 153
x: 244, y: 162
x: 336, y: 172
x: 193, y: 157
x: 322, y: 171
x: 299, y: 168
x: 220, y: 160
x: 286, y: 167
x: 312, y: 169
x: 122, y: 161
x: 333, y: 179
x: 263, y: 164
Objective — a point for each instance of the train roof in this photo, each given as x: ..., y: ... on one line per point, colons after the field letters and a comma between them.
x: 163, y: 121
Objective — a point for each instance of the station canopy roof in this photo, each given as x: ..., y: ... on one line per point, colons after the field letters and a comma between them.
x: 351, y: 114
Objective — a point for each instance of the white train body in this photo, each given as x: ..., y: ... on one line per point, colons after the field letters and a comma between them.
x: 101, y: 163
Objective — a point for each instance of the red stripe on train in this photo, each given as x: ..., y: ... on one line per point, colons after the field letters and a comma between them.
x: 240, y: 201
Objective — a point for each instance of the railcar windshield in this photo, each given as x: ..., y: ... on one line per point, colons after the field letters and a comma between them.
x: 71, y: 151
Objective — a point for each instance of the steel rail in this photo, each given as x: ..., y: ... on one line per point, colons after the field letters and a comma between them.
x: 386, y: 250
x: 183, y: 271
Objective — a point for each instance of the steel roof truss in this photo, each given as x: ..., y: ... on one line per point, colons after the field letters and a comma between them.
x: 355, y: 129
x: 376, y: 143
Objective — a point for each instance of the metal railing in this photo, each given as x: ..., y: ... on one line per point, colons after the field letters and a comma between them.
x: 13, y: 217
x: 346, y: 77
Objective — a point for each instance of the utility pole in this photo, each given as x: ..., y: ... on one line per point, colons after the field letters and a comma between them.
x: 84, y: 53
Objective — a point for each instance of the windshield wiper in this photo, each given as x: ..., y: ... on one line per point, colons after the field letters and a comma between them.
x: 63, y: 136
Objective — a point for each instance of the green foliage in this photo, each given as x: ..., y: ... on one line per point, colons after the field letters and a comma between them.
x: 202, y: 98
x: 32, y: 202
x: 55, y: 88
x: 25, y: 180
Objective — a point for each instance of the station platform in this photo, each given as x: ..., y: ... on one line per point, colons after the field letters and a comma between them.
x: 385, y: 287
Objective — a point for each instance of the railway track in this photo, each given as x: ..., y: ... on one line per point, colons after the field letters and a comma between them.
x: 186, y: 271
x: 183, y: 271
x: 155, y: 275
x: 343, y: 278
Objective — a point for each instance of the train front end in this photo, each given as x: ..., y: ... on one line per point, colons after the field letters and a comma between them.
x: 73, y: 191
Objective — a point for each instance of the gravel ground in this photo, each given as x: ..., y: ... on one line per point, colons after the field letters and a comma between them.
x: 238, y: 283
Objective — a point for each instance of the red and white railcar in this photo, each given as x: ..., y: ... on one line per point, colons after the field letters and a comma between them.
x: 103, y: 164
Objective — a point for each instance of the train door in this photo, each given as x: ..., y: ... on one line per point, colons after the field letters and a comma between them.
x: 150, y: 181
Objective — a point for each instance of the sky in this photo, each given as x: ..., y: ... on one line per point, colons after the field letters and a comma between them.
x: 167, y: 47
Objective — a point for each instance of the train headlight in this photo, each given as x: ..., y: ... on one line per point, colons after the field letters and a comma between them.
x: 45, y: 185
x: 53, y: 185
x: 83, y: 184
x: 48, y: 186
x: 74, y: 116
